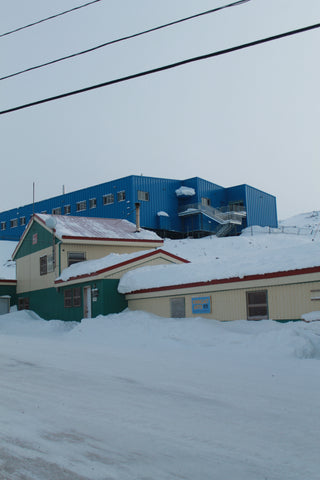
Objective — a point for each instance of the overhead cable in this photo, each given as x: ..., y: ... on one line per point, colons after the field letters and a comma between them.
x: 122, y: 39
x: 165, y: 67
x: 49, y: 18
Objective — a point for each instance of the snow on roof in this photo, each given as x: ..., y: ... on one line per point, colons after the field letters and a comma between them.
x: 98, y: 228
x: 225, y: 258
x: 185, y: 192
x: 97, y: 266
x: 7, y: 266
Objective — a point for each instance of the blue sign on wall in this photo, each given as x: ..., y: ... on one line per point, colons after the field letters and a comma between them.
x: 201, y: 305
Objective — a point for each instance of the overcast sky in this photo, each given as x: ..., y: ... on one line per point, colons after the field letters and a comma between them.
x: 251, y: 116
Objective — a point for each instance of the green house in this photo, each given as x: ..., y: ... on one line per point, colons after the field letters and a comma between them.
x: 54, y: 244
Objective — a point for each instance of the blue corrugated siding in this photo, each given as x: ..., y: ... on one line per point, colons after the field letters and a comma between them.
x: 261, y: 207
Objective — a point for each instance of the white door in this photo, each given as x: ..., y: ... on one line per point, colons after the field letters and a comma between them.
x: 87, y: 302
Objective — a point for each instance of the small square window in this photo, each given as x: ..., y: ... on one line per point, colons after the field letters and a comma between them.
x: 178, y: 307
x: 76, y: 257
x: 67, y: 209
x: 14, y: 223
x: 3, y: 225
x: 108, y: 199
x: 257, y: 305
x: 80, y: 206
x: 56, y: 211
x: 143, y: 196
x: 205, y: 201
x: 22, y: 221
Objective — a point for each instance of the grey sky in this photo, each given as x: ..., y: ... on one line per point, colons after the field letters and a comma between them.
x: 247, y: 117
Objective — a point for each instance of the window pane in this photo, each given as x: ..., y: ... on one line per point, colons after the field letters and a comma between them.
x: 108, y: 199
x: 257, y: 305
x: 121, y: 196
x: 92, y: 203
x: 77, y: 297
x: 68, y: 298
x: 75, y: 257
x: 178, y: 309
x: 43, y: 265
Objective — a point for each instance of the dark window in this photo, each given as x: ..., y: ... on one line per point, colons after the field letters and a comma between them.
x: 178, y: 307
x: 76, y: 257
x: 23, y: 303
x: 81, y: 206
x: 92, y: 203
x: 121, y: 196
x: 108, y: 199
x: 143, y: 196
x: 68, y: 298
x: 56, y: 211
x: 67, y: 209
x: 43, y: 265
x: 72, y: 297
x: 22, y: 221
x: 257, y: 305
x: 3, y: 225
x: 13, y: 223
x: 77, y: 297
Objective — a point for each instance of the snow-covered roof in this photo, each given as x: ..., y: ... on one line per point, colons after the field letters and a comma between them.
x: 110, y: 262
x: 96, y: 228
x: 229, y: 258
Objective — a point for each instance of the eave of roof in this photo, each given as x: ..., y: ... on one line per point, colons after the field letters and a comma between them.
x: 246, y: 278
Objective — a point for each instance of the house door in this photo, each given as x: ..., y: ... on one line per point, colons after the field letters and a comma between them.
x: 87, y: 302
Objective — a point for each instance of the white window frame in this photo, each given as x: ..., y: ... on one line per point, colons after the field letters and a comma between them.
x: 108, y: 199
x: 92, y: 203
x: 143, y: 196
x: 13, y: 223
x: 67, y: 209
x: 121, y: 196
x: 3, y: 226
x: 56, y: 211
x: 81, y: 206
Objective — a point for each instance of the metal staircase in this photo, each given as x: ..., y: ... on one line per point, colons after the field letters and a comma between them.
x: 227, y: 217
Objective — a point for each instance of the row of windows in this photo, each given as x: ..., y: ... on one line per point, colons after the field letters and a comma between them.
x: 81, y: 206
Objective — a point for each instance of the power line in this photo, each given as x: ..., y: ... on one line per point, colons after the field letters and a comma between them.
x: 48, y: 18
x: 165, y: 67
x: 127, y: 37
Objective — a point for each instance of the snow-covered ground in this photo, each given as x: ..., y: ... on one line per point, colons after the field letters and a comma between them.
x: 137, y: 397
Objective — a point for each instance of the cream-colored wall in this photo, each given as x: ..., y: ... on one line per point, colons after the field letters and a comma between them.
x: 285, y: 302
x: 94, y: 251
x: 28, y: 272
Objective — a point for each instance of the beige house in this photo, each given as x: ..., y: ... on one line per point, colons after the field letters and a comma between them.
x: 281, y: 296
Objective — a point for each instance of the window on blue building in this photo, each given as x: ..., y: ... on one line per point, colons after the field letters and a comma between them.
x: 143, y: 196
x: 67, y: 209
x: 22, y: 221
x: 121, y: 196
x: 108, y: 199
x: 13, y: 223
x: 56, y: 211
x: 3, y: 225
x: 92, y: 203
x: 81, y: 206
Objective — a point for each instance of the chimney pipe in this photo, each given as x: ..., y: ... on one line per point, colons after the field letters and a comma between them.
x: 138, y: 228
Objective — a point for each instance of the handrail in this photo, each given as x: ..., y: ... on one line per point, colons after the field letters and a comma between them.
x: 220, y: 215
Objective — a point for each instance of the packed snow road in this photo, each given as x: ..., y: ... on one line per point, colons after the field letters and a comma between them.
x: 133, y: 396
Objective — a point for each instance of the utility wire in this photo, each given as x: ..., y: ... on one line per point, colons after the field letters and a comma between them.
x: 165, y: 67
x: 127, y: 37
x: 48, y: 18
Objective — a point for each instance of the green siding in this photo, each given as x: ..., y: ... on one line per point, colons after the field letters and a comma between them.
x: 9, y: 290
x: 49, y: 303
x: 44, y: 240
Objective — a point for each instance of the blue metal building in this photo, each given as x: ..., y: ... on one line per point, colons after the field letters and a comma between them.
x: 175, y: 208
